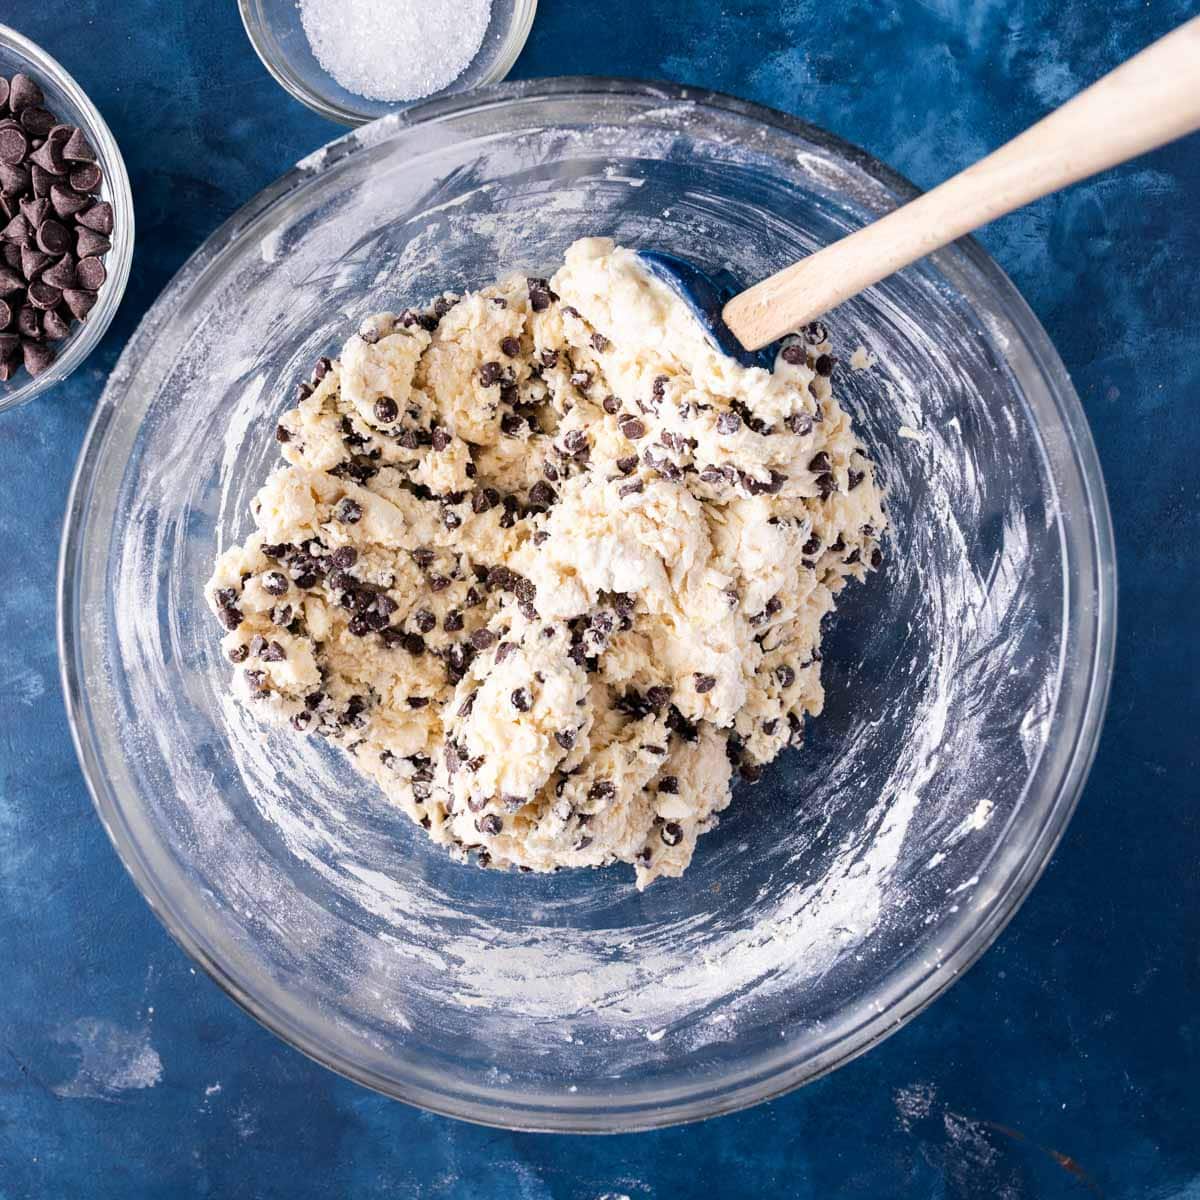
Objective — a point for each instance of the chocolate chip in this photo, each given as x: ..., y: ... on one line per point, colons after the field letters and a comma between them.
x: 41, y: 181
x: 826, y: 485
x: 490, y: 374
x: 55, y: 326
x: 43, y: 295
x: 348, y: 512
x: 603, y: 790
x: 451, y: 519
x: 79, y: 301
x: 854, y: 478
x: 565, y: 738
x: 824, y: 365
x: 438, y: 583
x: 54, y: 238
x: 542, y: 494
x: 705, y: 683
x: 794, y: 354
x: 631, y: 427
x: 90, y: 271
x: 510, y: 346
x: 49, y: 156
x: 10, y: 281
x: 511, y: 424
x: 14, y: 145
x: 423, y: 557
x: 386, y: 410
x: 424, y: 620
x: 800, y: 424
x: 99, y: 217
x: 77, y: 148
x: 815, y: 333
x: 61, y: 275
x: 729, y: 422
x: 491, y: 824
x: 23, y: 93
x: 482, y: 639
x: 29, y: 322
x: 275, y: 583
x: 521, y: 700
x: 274, y: 653
x: 18, y: 230
x: 413, y: 643
x: 86, y: 178
x: 67, y: 202
x: 672, y: 833
x: 819, y: 462
x: 630, y: 489
x: 785, y: 675
x: 600, y: 343
x: 625, y: 465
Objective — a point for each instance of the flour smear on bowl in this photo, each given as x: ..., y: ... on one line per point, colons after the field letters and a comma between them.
x: 395, y: 49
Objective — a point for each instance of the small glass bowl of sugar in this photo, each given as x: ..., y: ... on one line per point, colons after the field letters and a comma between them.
x: 355, y: 60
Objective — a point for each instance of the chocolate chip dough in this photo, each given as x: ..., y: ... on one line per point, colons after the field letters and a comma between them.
x: 549, y: 567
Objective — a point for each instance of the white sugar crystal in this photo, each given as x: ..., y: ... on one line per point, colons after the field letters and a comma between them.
x: 395, y: 49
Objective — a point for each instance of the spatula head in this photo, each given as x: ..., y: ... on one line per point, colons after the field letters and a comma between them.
x: 706, y: 294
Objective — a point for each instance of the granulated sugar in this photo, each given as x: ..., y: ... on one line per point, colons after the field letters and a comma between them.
x: 395, y: 49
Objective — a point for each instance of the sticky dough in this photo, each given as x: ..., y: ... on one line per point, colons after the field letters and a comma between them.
x: 550, y: 568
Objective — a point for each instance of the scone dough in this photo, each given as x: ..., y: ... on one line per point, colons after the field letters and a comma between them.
x: 549, y: 567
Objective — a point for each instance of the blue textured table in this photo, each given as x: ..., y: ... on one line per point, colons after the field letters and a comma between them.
x: 1066, y: 1063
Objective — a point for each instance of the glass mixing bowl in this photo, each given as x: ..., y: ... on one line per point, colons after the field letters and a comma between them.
x: 966, y: 681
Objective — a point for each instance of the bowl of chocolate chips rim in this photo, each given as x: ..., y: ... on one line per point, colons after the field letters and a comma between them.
x: 66, y: 222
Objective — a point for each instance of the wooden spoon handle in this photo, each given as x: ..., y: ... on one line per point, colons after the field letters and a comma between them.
x: 1152, y: 99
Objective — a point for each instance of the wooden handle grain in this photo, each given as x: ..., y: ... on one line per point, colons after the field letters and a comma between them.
x: 1152, y: 99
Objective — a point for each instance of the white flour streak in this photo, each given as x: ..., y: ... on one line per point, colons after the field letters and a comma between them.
x: 112, y: 1060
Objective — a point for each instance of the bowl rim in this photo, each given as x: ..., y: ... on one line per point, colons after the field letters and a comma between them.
x: 119, y: 260
x: 254, y: 22
x: 702, y: 1101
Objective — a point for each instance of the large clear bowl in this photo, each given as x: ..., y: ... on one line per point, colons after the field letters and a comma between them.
x: 966, y: 681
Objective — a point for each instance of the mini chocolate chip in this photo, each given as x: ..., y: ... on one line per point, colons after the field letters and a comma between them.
x: 66, y: 202
x: 275, y: 583
x: 826, y: 485
x: 438, y: 583
x: 631, y: 427
x: 482, y: 639
x: 603, y: 790
x: 424, y: 620
x: 490, y: 374
x: 625, y: 465
x: 852, y: 557
x: 565, y: 738
x: 785, y: 675
x: 504, y: 650
x: 705, y: 683
x: 750, y: 772
x: 238, y: 654
x: 794, y: 354
x: 729, y: 422
x: 672, y: 833
x: 824, y: 364
x: 542, y: 494
x: 491, y: 824
x: 511, y: 424
x: 669, y: 784
x: 645, y: 856
x: 854, y: 478
x: 61, y: 274
x: 630, y: 489
x: 453, y: 621
x: 811, y: 546
x: 43, y: 295
x: 815, y: 333
x: 510, y: 346
x: 417, y: 701
x: 77, y: 148
x: 451, y: 519
x: 344, y: 557
x: 521, y: 699
x: 658, y: 696
x: 819, y: 463
x: 386, y: 410
x: 413, y: 643
x: 876, y: 557
x: 274, y: 653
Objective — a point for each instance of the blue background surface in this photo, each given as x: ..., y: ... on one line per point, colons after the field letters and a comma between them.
x: 1066, y: 1063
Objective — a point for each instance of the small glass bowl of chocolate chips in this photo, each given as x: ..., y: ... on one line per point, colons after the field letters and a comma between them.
x: 66, y: 222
